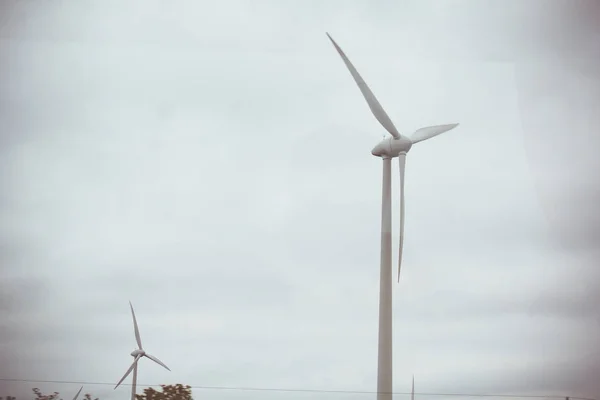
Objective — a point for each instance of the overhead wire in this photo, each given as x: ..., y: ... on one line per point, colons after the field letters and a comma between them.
x: 249, y: 389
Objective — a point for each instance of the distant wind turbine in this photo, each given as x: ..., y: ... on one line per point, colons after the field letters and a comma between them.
x: 395, y: 146
x: 137, y: 355
x: 77, y: 395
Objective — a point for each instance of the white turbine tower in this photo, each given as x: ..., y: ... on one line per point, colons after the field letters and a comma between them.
x: 137, y: 355
x: 395, y: 146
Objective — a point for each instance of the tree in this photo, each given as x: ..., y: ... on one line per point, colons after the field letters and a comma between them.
x: 168, y: 392
x: 40, y: 396
x: 54, y: 396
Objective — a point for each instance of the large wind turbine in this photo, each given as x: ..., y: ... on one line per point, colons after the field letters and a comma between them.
x: 395, y: 146
x: 137, y: 355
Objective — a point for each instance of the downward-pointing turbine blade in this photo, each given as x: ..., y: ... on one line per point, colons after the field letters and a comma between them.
x: 128, y: 371
x: 135, y: 327
x: 402, y: 164
x: 77, y: 395
x: 430, y: 131
x: 374, y: 105
x: 156, y: 360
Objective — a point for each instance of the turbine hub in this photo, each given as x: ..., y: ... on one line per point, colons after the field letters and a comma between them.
x: 391, y: 147
x: 138, y: 352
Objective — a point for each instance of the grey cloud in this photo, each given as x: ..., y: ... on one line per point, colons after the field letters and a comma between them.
x: 223, y: 164
x: 566, y: 120
x: 557, y: 100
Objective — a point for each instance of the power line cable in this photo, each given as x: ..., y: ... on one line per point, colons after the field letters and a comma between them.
x: 248, y: 389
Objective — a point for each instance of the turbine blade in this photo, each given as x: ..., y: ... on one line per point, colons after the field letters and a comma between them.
x: 128, y: 371
x: 156, y: 360
x: 412, y: 392
x: 374, y: 105
x: 402, y: 164
x: 430, y: 131
x: 135, y: 327
x: 77, y: 395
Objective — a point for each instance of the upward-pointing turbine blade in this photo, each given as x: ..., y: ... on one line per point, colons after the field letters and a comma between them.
x: 430, y: 131
x: 156, y: 360
x: 128, y: 371
x: 135, y: 327
x: 402, y: 165
x: 77, y: 395
x: 412, y: 392
x: 374, y: 105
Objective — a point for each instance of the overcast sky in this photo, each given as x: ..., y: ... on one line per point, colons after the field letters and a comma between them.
x: 210, y: 162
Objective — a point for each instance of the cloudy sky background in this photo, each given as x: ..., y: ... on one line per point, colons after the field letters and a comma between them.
x: 210, y: 162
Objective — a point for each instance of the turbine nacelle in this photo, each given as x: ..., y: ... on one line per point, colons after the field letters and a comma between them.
x: 392, y: 147
x: 138, y: 352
